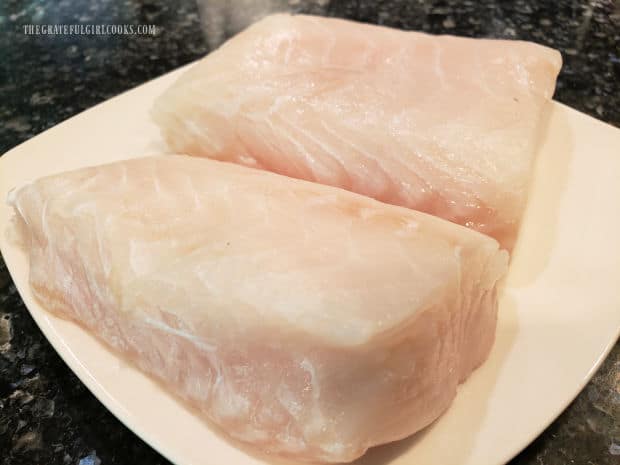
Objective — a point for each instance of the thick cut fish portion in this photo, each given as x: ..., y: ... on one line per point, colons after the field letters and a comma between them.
x: 305, y: 319
x: 440, y: 124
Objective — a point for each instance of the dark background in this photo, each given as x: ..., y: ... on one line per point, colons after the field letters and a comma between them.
x: 46, y: 415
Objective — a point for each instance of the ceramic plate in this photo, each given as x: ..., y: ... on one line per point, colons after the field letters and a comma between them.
x: 559, y: 310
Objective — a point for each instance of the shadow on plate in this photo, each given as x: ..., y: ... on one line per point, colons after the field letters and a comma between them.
x: 539, y: 226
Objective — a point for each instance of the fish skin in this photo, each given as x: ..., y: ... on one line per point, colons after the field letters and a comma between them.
x: 440, y: 124
x: 307, y: 320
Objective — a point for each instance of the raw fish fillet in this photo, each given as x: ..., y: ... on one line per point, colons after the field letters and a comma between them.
x: 307, y: 320
x: 441, y: 124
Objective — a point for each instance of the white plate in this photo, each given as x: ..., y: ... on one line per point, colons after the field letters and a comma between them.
x: 559, y: 311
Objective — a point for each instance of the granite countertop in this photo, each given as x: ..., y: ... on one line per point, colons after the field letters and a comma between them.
x: 46, y: 415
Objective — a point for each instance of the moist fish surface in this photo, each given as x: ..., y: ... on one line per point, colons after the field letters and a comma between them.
x: 307, y: 320
x: 440, y: 124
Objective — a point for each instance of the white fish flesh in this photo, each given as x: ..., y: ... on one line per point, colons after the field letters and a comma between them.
x: 305, y: 319
x: 440, y: 124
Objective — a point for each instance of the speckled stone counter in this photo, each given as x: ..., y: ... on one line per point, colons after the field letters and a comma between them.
x: 46, y: 415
